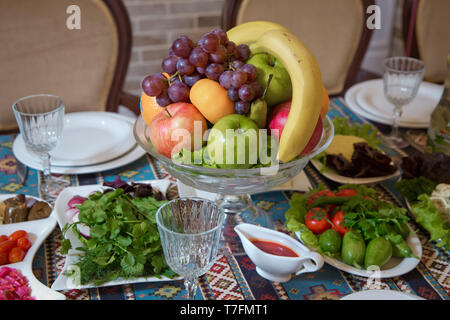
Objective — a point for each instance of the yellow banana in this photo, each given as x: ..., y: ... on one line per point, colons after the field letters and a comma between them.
x: 249, y: 32
x: 307, y: 88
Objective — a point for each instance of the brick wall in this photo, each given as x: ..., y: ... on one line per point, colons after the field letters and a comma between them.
x: 157, y: 23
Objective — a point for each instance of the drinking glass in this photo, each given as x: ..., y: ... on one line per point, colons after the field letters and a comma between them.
x: 190, y: 230
x: 41, y: 121
x: 402, y: 78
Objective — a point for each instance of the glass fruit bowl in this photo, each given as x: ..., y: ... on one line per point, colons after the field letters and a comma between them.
x: 234, y: 185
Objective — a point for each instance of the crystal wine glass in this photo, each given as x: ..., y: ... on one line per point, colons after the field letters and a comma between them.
x: 190, y: 230
x: 402, y: 78
x: 41, y: 121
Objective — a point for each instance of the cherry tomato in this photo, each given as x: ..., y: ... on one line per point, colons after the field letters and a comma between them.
x: 3, y: 238
x: 17, y: 234
x: 7, y: 245
x: 16, y: 255
x: 24, y: 243
x: 4, y: 258
x: 346, y: 193
x: 322, y: 193
x: 317, y: 220
x: 337, y: 220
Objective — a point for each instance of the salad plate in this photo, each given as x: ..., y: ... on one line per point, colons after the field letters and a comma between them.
x: 64, y: 282
x: 381, y: 295
x: 353, y: 105
x: 393, y: 268
x: 38, y: 231
x: 371, y: 98
x: 332, y: 175
x: 89, y: 138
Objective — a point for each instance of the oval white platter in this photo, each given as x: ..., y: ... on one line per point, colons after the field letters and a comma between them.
x: 393, y: 268
x: 63, y: 282
x: 381, y: 295
x: 38, y: 231
x: 332, y: 175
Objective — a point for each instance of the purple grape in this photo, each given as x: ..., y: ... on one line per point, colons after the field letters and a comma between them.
x: 192, y: 79
x: 231, y: 48
x: 169, y: 64
x: 225, y: 79
x: 220, y: 55
x: 246, y: 93
x: 222, y: 35
x: 153, y: 85
x: 163, y: 98
x: 257, y: 89
x: 198, y: 57
x: 242, y: 52
x: 201, y: 70
x: 233, y: 94
x: 184, y: 67
x: 178, y: 92
x: 251, y: 71
x: 236, y: 64
x: 239, y: 78
x: 242, y: 107
x: 182, y: 47
x: 214, y: 70
x: 209, y: 42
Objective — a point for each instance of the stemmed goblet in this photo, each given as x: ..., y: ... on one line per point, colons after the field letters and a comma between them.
x: 402, y: 78
x: 190, y: 230
x: 41, y: 121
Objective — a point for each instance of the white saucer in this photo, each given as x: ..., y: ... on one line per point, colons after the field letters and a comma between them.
x: 90, y: 138
x: 372, y: 99
x: 351, y: 102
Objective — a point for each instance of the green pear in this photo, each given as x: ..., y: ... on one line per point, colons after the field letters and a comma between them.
x: 258, y: 112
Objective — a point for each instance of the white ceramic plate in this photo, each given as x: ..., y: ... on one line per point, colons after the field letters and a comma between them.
x: 372, y: 99
x: 393, y: 268
x: 350, y: 100
x: 136, y: 153
x: 65, y: 283
x: 381, y: 295
x: 332, y: 175
x: 91, y: 138
x: 38, y: 231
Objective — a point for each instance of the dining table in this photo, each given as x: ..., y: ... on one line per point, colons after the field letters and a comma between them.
x: 233, y: 275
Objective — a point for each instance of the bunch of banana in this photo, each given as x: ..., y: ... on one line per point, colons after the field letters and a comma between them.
x: 307, y: 86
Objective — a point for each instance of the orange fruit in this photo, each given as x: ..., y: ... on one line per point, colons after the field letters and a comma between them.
x: 325, y: 103
x: 211, y: 99
x: 149, y: 108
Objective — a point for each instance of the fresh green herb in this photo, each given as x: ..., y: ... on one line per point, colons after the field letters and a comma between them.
x: 365, y: 131
x: 411, y: 189
x: 124, y: 239
x: 430, y: 218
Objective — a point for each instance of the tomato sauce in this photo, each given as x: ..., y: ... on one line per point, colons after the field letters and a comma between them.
x: 274, y: 248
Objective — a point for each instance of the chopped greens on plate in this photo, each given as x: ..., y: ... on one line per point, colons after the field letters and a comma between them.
x: 123, y: 240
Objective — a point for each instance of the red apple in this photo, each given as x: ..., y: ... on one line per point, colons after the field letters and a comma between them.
x: 173, y: 128
x: 277, y: 121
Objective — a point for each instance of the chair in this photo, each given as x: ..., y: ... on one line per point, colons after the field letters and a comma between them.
x: 426, y: 33
x: 40, y: 54
x: 335, y: 31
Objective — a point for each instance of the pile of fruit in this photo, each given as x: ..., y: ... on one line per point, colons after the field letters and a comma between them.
x: 256, y: 76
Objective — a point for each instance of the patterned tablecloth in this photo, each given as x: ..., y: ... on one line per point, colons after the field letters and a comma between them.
x: 234, y: 277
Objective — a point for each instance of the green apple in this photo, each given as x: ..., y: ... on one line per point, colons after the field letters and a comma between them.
x: 233, y: 142
x: 280, y: 88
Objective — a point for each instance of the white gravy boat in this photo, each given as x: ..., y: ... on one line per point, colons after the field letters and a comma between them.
x: 274, y: 267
